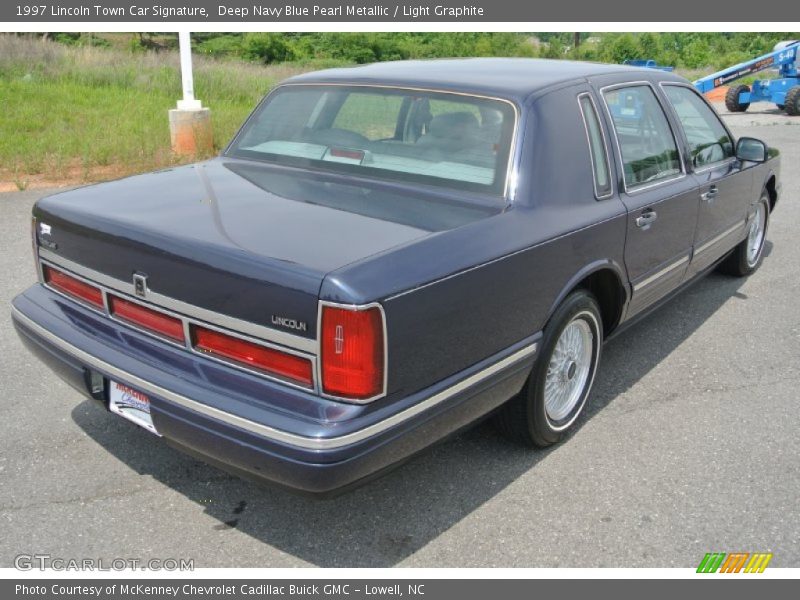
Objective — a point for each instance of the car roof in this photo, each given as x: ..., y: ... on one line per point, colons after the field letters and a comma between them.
x: 510, y: 78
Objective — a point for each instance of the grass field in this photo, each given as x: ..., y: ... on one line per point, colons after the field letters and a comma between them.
x: 73, y: 114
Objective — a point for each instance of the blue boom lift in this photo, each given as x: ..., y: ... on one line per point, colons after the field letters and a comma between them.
x: 648, y: 64
x: 784, y: 91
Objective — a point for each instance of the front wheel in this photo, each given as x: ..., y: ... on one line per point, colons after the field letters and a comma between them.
x: 747, y: 256
x: 561, y: 380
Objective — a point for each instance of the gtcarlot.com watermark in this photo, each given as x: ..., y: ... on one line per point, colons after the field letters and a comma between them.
x: 47, y: 562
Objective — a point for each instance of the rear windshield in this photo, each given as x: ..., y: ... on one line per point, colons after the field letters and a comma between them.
x: 441, y: 139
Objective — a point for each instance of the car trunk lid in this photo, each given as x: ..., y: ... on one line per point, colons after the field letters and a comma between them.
x: 246, y: 241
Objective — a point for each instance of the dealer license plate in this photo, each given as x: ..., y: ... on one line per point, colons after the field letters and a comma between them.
x: 131, y: 404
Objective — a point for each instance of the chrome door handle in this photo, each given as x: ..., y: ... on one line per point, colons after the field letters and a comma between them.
x: 710, y: 194
x: 647, y: 218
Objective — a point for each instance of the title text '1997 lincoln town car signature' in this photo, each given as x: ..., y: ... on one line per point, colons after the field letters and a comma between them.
x: 384, y: 254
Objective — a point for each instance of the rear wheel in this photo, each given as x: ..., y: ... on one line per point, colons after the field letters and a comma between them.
x: 748, y: 255
x: 561, y: 380
x: 792, y: 101
x: 732, y: 98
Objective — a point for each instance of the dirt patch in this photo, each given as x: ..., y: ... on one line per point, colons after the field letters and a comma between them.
x: 717, y: 94
x: 78, y: 174
x: 72, y: 177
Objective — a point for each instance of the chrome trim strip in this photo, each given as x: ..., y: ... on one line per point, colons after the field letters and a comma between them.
x: 187, y: 335
x: 512, y: 151
x: 310, y: 443
x: 643, y: 188
x: 717, y: 165
x: 355, y: 307
x: 718, y: 238
x: 640, y: 188
x: 160, y: 301
x: 607, y: 156
x: 187, y: 323
x: 659, y: 274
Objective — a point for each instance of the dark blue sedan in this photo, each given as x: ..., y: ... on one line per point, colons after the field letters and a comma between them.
x: 385, y: 254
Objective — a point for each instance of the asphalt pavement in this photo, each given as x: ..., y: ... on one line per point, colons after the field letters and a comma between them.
x: 691, y: 445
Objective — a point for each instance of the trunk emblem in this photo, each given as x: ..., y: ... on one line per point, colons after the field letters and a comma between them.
x: 45, y: 229
x: 289, y: 323
x: 338, y: 339
x: 140, y: 285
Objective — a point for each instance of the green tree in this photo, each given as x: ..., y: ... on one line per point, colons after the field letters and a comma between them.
x: 266, y: 47
x: 649, y: 46
x: 554, y: 49
x: 696, y: 54
x: 621, y: 48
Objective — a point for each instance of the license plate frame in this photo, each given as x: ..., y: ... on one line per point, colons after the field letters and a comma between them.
x: 131, y: 404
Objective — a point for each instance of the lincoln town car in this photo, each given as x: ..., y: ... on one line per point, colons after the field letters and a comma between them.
x: 385, y: 254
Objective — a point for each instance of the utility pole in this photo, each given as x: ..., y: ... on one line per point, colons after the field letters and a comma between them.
x: 189, y: 123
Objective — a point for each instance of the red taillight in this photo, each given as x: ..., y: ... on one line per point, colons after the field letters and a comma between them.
x: 146, y: 318
x: 352, y: 352
x: 72, y: 286
x: 268, y: 360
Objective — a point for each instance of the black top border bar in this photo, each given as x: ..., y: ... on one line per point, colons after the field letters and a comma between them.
x: 355, y: 11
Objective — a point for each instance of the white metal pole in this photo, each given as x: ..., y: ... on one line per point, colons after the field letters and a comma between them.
x: 189, y: 102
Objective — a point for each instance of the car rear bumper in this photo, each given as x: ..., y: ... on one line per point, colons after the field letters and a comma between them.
x: 252, y: 426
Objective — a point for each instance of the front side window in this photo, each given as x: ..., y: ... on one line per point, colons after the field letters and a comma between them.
x: 648, y: 148
x: 708, y: 139
x: 442, y: 139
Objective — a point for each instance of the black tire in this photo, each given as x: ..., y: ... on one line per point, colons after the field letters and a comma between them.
x: 524, y: 418
x: 732, y: 98
x: 792, y: 101
x: 739, y: 263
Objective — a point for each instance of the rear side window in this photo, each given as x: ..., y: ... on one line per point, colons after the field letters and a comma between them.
x: 597, y: 147
x: 708, y: 139
x: 646, y: 143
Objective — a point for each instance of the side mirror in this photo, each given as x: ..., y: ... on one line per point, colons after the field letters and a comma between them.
x: 751, y: 149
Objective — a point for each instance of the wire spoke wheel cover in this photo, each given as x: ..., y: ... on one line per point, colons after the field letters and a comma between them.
x: 755, y: 237
x: 569, y: 369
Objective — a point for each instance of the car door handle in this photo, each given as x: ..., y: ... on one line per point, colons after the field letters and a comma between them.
x: 710, y: 194
x: 647, y: 218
